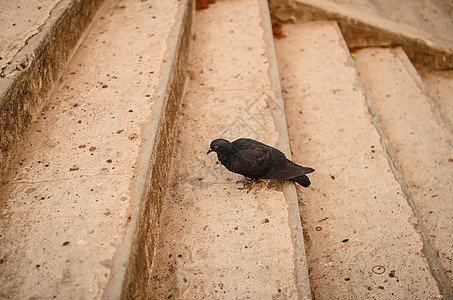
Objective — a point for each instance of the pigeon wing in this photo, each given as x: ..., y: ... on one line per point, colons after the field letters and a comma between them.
x: 251, y: 158
x: 254, y: 159
x: 286, y: 169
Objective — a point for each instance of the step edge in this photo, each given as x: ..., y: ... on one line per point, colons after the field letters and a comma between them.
x: 134, y: 258
x: 434, y: 105
x: 289, y: 189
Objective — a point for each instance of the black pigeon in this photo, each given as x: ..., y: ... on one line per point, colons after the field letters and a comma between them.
x: 256, y: 160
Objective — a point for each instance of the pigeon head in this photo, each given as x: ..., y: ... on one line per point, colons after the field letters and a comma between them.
x: 220, y: 146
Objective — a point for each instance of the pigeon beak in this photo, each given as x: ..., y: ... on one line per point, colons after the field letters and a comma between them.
x: 209, y: 151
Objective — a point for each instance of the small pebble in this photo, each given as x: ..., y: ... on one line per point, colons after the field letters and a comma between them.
x: 66, y: 243
x: 124, y: 196
x: 133, y: 136
x: 108, y: 263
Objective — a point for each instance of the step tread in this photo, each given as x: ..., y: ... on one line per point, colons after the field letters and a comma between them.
x: 216, y: 240
x: 356, y: 217
x: 421, y: 140
x: 76, y: 180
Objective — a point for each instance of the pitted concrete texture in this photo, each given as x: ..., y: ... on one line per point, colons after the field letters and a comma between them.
x: 218, y: 242
x: 359, y: 228
x: 420, y: 139
x: 35, y: 53
x: 20, y: 20
x: 68, y: 201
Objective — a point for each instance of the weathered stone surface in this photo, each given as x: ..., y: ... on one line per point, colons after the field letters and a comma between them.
x: 369, y: 30
x: 81, y: 203
x: 27, y: 78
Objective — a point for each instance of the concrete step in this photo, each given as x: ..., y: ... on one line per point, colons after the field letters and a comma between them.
x: 421, y: 141
x: 364, y: 25
x: 216, y: 241
x: 362, y: 236
x: 80, y: 204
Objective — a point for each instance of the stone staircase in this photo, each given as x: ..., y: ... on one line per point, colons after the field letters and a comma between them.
x: 109, y: 192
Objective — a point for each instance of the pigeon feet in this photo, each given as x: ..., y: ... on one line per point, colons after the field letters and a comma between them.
x: 248, y: 184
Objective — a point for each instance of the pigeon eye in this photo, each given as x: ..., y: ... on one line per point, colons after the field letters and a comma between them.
x: 215, y: 147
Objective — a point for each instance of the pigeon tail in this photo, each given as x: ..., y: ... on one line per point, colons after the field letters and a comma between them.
x: 302, y: 180
x: 308, y: 170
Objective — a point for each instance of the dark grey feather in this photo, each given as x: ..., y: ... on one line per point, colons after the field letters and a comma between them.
x: 256, y: 160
